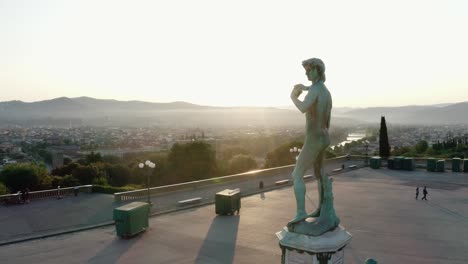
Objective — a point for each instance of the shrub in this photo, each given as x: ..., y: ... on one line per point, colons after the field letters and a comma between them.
x: 70, y: 181
x: 100, y: 181
x: 3, y: 189
x: 241, y: 163
x: 23, y: 175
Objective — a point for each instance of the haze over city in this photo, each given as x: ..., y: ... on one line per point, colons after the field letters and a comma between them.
x: 243, y: 53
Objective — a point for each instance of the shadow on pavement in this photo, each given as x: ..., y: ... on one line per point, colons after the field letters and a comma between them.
x: 220, y: 242
x: 115, y: 249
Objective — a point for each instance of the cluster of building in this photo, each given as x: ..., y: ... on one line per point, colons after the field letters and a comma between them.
x: 410, y: 136
x: 74, y: 142
x: 77, y: 141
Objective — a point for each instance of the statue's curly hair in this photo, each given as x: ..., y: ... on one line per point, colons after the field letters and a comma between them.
x: 317, y: 64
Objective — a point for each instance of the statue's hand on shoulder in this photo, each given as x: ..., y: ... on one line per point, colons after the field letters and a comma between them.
x: 297, y: 90
x: 301, y: 87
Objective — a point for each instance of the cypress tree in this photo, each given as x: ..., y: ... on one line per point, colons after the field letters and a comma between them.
x: 384, y: 146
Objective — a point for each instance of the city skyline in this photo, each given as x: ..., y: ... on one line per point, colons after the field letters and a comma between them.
x: 236, y: 54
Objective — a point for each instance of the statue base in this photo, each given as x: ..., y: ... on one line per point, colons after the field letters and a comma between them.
x: 303, y: 249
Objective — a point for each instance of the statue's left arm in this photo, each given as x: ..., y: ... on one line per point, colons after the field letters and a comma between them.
x: 309, y: 100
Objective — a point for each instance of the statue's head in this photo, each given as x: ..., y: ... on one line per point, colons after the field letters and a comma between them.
x: 315, y: 69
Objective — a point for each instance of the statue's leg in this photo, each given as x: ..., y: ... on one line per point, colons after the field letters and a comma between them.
x: 318, y: 172
x: 327, y: 219
x: 302, y: 164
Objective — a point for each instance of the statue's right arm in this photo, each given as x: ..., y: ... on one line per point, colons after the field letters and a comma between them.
x: 309, y: 100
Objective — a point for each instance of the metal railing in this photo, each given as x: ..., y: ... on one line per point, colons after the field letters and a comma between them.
x: 35, y: 195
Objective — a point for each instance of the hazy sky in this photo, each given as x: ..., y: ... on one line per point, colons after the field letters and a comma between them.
x: 377, y: 53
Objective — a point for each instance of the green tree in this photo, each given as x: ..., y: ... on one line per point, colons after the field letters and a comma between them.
x: 47, y: 182
x: 86, y: 174
x: 3, y: 189
x: 384, y: 146
x: 70, y: 181
x: 192, y: 161
x: 93, y: 157
x: 67, y: 161
x: 281, y: 156
x: 430, y: 152
x: 23, y: 175
x: 241, y: 163
x: 400, y: 151
x: 100, y: 181
x: 65, y: 170
x: 118, y: 175
x: 421, y: 146
x: 112, y: 159
x: 230, y: 152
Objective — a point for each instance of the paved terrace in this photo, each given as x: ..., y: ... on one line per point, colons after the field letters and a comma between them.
x: 376, y: 206
x: 50, y: 216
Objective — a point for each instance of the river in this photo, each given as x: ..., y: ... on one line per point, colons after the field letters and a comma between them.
x: 351, y: 137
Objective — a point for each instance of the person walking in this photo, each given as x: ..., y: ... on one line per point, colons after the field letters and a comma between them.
x: 424, y: 193
x: 417, y: 192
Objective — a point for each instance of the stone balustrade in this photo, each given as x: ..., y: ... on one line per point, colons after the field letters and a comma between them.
x: 35, y: 195
x: 257, y: 175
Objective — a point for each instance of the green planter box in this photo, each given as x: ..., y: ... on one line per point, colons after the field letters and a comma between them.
x: 456, y: 162
x: 391, y: 163
x: 398, y: 163
x: 375, y: 162
x: 228, y: 201
x: 440, y: 167
x: 431, y: 164
x: 465, y: 165
x: 131, y: 219
x: 408, y: 164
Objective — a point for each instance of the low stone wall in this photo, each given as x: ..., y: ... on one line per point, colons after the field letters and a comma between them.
x: 258, y: 175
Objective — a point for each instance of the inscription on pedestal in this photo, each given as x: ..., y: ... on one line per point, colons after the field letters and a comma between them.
x: 338, y: 257
x: 325, y: 249
x: 294, y: 257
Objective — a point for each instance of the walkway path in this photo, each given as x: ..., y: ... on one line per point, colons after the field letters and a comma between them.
x: 49, y: 216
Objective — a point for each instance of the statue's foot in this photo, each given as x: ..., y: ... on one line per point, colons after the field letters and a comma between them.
x: 316, y: 213
x: 301, y: 216
x: 317, y: 227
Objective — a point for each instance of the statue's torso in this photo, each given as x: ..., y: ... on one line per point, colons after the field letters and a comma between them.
x: 318, y: 116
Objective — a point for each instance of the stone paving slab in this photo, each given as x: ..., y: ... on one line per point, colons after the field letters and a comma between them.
x: 376, y: 206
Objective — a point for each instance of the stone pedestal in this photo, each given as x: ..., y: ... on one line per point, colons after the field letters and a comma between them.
x: 302, y: 249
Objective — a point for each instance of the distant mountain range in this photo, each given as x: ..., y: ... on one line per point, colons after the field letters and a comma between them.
x: 65, y: 111
x: 426, y: 114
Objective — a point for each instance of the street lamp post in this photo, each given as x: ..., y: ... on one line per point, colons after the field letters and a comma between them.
x: 295, y: 150
x: 151, y: 165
